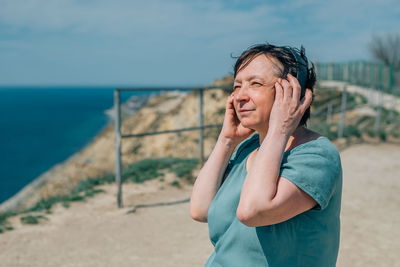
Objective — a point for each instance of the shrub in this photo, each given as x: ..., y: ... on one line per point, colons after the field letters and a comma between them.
x: 351, y: 130
x: 176, y: 183
x: 32, y: 219
x: 84, y: 189
x: 382, y: 134
x: 148, y: 169
x: 4, y: 223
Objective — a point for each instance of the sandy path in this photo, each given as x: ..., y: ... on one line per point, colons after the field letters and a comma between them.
x: 370, y: 206
x: 96, y: 233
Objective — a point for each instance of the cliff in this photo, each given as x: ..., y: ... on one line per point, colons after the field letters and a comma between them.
x: 180, y: 110
x: 162, y: 112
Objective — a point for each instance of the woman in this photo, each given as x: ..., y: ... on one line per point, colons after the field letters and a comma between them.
x: 271, y: 198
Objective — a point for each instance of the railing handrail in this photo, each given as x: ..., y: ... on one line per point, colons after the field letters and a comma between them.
x: 119, y: 136
x: 172, y: 88
x: 172, y: 131
x: 364, y: 73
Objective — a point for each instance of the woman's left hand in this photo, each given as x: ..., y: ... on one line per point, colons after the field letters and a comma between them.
x: 288, y: 109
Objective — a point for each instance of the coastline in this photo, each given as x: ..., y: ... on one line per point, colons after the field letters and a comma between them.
x: 16, y: 201
x: 172, y: 110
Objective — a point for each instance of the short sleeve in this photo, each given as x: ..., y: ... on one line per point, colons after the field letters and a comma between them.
x: 315, y: 168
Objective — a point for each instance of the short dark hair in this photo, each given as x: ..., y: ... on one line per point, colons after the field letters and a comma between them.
x: 286, y: 56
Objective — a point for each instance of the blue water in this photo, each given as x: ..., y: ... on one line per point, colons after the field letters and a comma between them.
x: 40, y: 127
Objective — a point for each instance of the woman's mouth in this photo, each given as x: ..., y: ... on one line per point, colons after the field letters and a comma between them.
x: 245, y: 111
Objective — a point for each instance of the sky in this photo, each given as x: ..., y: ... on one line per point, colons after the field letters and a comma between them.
x: 174, y: 42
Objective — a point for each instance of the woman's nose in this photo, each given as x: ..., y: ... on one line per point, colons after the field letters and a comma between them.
x: 241, y: 94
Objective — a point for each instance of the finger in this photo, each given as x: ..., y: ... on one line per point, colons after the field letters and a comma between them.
x: 229, y: 102
x: 295, y: 85
x: 287, y: 90
x: 306, y: 101
x: 278, y: 92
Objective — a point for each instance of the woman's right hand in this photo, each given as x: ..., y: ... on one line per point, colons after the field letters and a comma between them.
x: 232, y: 129
x: 211, y: 174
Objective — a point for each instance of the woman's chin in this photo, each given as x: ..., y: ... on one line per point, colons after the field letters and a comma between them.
x: 247, y: 125
x: 258, y: 127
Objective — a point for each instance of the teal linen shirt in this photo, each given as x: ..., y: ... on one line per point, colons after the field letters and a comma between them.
x: 308, y: 239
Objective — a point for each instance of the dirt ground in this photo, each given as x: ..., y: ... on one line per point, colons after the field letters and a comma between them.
x: 97, y: 233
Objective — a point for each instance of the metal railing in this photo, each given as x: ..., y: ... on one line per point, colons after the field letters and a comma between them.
x: 376, y: 77
x: 119, y: 136
x: 366, y: 74
x: 371, y: 75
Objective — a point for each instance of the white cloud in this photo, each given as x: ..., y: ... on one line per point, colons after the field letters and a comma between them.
x: 193, y: 38
x: 123, y: 17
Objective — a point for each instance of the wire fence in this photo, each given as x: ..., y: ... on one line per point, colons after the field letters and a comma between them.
x: 119, y: 135
x: 329, y: 117
x: 362, y: 73
x: 377, y: 87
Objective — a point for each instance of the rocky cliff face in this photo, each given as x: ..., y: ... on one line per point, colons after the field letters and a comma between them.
x: 162, y: 112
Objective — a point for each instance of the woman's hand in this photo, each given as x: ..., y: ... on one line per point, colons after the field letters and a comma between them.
x: 287, y: 109
x: 232, y: 129
x: 210, y: 177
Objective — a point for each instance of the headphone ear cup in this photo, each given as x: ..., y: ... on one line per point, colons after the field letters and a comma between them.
x: 302, y: 70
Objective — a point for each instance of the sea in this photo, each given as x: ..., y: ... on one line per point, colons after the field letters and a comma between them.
x: 43, y: 126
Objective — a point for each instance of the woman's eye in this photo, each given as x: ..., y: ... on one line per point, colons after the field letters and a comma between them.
x: 235, y: 87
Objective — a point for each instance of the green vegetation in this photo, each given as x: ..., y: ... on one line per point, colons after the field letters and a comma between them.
x: 381, y: 133
x: 137, y: 172
x: 4, y: 224
x: 175, y: 183
x: 351, y: 130
x: 32, y: 219
x: 148, y: 169
x: 84, y: 189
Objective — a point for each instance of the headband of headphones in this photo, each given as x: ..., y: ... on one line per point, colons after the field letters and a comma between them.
x: 302, y: 70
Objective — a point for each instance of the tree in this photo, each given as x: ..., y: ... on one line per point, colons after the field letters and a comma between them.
x: 386, y: 49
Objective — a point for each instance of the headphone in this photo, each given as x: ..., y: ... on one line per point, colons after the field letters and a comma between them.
x: 302, y: 69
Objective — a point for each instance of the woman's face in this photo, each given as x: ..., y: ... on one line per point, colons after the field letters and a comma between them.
x: 254, y: 92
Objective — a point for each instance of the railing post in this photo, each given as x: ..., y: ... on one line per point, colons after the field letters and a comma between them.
x: 371, y: 75
x: 360, y: 80
x: 117, y: 131
x: 391, y: 79
x: 342, y: 112
x: 380, y: 83
x: 379, y: 111
x: 346, y: 72
x: 330, y: 71
x: 391, y: 113
x: 363, y: 76
x: 329, y: 113
x: 201, y: 143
